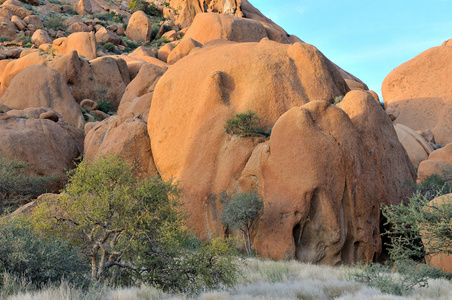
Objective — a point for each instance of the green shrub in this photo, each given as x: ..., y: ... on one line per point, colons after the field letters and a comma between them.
x: 5, y: 39
x: 106, y: 106
x: 39, y: 260
x: 409, y: 275
x: 109, y: 47
x: 337, y: 100
x: 55, y: 22
x: 244, y: 125
x: 406, y: 221
x: 24, y: 38
x: 55, y: 2
x: 132, y: 230
x: 17, y: 186
x: 242, y: 211
x: 148, y: 8
x: 28, y: 45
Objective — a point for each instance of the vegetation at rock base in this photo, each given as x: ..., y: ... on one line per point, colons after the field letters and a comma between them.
x: 244, y: 125
x: 17, y: 185
x: 415, y: 230
x: 242, y: 211
x: 132, y: 230
x: 407, y: 221
x: 37, y: 259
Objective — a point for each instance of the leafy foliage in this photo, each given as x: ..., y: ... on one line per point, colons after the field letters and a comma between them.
x: 132, y: 230
x: 410, y: 275
x: 106, y: 106
x: 179, y: 268
x: 55, y: 22
x: 407, y: 221
x: 146, y: 7
x: 17, y: 186
x: 244, y: 125
x: 109, y: 47
x: 241, y: 211
x: 35, y: 258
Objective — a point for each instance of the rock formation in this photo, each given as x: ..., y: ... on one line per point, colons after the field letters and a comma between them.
x: 421, y: 91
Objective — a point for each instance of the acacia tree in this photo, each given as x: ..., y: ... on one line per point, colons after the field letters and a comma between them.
x: 242, y: 211
x: 110, y: 214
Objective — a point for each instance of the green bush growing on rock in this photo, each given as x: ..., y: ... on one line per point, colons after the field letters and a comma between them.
x: 242, y: 211
x: 245, y: 125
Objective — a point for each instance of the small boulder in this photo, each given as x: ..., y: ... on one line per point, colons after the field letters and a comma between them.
x: 83, y: 42
x: 417, y: 148
x: 49, y: 115
x: 40, y: 37
x: 439, y: 162
x: 182, y: 50
x: 35, y: 21
x: 170, y: 35
x: 139, y: 27
x: 89, y: 104
x: 164, y: 51
x: 20, y: 24
x: 104, y: 35
x: 16, y: 9
x: 78, y: 27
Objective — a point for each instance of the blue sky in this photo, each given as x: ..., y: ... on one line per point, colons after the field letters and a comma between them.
x: 366, y: 38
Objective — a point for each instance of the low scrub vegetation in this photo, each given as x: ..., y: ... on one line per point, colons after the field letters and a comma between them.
x: 18, y: 185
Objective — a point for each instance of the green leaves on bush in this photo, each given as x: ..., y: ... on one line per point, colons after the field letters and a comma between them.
x: 409, y: 275
x: 17, y: 186
x: 132, y: 230
x: 245, y: 125
x: 40, y: 260
x: 407, y: 221
x: 242, y: 211
x: 146, y: 7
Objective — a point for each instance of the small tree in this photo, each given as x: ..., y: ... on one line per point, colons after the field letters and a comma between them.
x: 110, y: 214
x: 244, y: 125
x: 407, y: 221
x: 242, y: 211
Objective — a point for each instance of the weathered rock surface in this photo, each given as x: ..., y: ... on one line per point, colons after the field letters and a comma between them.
x: 416, y: 146
x: 421, y: 90
x: 439, y: 162
x: 225, y: 27
x: 40, y: 37
x: 125, y: 137
x: 182, y: 50
x: 49, y: 147
x: 138, y: 94
x: 308, y: 147
x: 40, y: 86
x: 82, y: 42
x: 139, y: 27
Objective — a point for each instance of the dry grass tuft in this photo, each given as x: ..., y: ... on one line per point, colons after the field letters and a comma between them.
x: 262, y: 279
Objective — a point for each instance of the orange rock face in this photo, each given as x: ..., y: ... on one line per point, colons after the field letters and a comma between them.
x: 225, y: 27
x: 40, y: 86
x: 139, y: 27
x: 421, y: 90
x: 325, y: 170
x: 49, y: 147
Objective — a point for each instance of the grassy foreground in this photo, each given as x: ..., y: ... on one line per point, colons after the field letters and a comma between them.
x: 261, y: 279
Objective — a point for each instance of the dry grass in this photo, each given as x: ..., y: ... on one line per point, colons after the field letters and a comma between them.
x: 260, y: 280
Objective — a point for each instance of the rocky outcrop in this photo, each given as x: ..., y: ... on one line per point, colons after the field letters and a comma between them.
x: 225, y: 27
x: 316, y: 208
x: 126, y: 137
x: 421, y: 91
x: 182, y: 50
x: 82, y: 42
x: 48, y: 146
x: 416, y: 146
x: 40, y: 86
